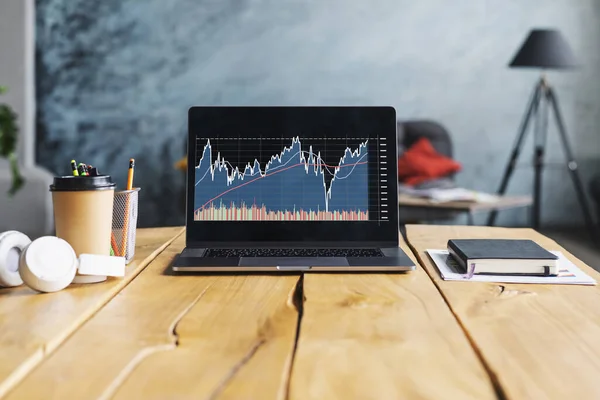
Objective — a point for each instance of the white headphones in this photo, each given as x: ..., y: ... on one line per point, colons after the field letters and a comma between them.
x: 48, y: 264
x: 12, y: 244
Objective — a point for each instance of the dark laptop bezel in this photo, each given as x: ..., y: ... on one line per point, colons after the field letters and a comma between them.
x: 315, y: 233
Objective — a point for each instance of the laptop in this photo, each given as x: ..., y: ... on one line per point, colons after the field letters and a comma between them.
x: 292, y: 189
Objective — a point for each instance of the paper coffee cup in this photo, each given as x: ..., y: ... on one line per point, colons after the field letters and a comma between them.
x: 83, y: 208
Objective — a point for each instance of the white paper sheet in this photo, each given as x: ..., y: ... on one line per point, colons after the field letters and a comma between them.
x: 446, y: 195
x: 568, y: 273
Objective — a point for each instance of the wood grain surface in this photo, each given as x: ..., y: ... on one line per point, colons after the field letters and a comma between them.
x: 367, y: 336
x: 165, y: 336
x: 237, y: 342
x: 382, y: 336
x: 32, y: 324
x: 537, y: 341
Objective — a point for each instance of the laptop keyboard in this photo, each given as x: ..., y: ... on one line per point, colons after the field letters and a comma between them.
x: 293, y: 253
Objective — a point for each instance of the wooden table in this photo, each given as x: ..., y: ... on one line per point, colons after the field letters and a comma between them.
x: 470, y: 208
x: 154, y: 335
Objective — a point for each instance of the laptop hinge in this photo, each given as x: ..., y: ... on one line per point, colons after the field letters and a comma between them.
x: 292, y: 244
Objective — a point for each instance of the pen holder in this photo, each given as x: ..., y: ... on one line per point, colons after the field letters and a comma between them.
x: 124, y: 223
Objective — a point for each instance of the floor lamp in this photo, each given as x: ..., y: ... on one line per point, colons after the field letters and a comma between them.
x: 544, y: 49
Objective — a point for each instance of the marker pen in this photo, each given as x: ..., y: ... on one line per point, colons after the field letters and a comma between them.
x: 82, y: 169
x: 74, y: 168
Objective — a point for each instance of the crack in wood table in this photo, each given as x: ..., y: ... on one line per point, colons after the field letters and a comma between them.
x: 154, y: 335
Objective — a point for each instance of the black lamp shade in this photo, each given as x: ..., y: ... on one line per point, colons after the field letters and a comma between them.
x: 544, y: 48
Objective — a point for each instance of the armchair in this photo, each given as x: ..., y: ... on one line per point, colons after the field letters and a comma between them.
x: 408, y: 133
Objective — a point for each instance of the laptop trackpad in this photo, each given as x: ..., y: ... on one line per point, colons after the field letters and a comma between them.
x: 293, y: 261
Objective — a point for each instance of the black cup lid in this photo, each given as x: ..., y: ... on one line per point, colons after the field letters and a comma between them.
x: 81, y: 183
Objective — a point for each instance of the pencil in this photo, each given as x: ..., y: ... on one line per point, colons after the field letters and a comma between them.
x: 130, y: 174
x: 113, y: 244
x: 127, y: 198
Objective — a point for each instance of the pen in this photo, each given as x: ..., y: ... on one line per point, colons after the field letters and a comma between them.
x: 74, y: 168
x: 113, y: 245
x: 130, y: 174
x: 82, y: 169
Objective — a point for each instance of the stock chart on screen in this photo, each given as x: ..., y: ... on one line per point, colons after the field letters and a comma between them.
x: 298, y: 178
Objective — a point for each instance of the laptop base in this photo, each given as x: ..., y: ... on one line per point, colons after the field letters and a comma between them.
x: 191, y: 260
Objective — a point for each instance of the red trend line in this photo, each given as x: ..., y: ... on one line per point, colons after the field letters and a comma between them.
x: 276, y: 172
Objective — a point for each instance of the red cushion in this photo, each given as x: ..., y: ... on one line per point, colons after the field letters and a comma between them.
x: 421, y: 162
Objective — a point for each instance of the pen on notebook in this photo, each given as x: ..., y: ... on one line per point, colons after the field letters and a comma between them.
x: 130, y: 174
x: 74, y: 168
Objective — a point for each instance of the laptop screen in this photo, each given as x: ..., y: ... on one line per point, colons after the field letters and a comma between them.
x: 270, y: 178
x: 296, y: 165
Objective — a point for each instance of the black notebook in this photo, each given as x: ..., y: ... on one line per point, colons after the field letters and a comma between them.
x: 503, y: 257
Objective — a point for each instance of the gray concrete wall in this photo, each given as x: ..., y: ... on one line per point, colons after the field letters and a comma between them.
x: 30, y: 210
x: 115, y: 79
x: 17, y: 31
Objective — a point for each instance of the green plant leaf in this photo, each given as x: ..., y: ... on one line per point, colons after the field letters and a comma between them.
x: 8, y: 143
x: 8, y: 131
x: 17, y: 179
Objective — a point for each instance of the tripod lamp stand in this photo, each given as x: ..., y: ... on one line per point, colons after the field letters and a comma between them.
x: 544, y: 49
